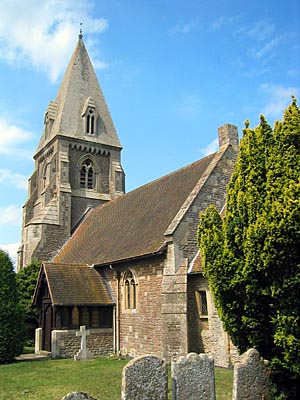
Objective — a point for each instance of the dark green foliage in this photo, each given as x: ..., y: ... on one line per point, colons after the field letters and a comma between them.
x: 252, y: 257
x: 26, y: 281
x: 11, y: 315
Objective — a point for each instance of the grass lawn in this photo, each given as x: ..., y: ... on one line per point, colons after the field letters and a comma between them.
x: 52, y: 379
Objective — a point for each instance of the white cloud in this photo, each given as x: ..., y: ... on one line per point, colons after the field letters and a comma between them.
x: 11, y: 136
x: 268, y: 47
x: 181, y: 29
x: 279, y: 97
x: 12, y: 250
x: 222, y: 21
x: 261, y: 31
x: 10, y: 215
x: 210, y: 148
x: 16, y: 180
x: 42, y: 33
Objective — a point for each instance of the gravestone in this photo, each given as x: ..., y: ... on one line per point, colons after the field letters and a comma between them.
x: 83, y: 353
x: 251, y: 378
x: 193, y: 377
x: 145, y: 378
x: 78, y: 396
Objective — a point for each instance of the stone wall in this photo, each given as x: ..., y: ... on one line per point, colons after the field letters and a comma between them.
x: 206, y: 335
x: 65, y: 343
x: 140, y: 329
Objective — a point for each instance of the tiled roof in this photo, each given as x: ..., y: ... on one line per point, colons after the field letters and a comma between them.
x: 134, y: 224
x: 76, y: 284
x: 196, y: 264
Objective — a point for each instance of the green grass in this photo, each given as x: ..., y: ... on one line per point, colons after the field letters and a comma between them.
x: 224, y: 382
x: 52, y: 379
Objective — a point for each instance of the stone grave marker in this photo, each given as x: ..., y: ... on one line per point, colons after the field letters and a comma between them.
x: 83, y: 353
x: 193, y: 377
x: 251, y: 378
x: 145, y: 378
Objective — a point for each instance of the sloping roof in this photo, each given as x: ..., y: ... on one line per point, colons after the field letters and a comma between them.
x: 134, y: 224
x: 79, y: 84
x: 196, y: 264
x: 76, y: 285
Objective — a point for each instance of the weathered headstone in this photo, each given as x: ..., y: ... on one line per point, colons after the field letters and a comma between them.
x: 38, y: 340
x: 78, y: 396
x: 193, y: 377
x: 145, y: 378
x: 251, y: 378
x: 83, y: 353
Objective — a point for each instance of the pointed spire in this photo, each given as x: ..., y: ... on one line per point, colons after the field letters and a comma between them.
x: 78, y: 85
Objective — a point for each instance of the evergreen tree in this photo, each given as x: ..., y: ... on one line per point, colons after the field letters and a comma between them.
x: 252, y: 257
x: 26, y: 281
x: 11, y: 315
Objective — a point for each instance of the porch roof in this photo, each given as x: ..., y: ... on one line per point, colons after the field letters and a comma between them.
x: 73, y: 284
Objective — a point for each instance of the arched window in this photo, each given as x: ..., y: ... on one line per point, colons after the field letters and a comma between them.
x: 87, y: 174
x: 129, y: 291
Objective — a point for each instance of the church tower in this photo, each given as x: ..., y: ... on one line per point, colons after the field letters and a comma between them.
x: 77, y: 162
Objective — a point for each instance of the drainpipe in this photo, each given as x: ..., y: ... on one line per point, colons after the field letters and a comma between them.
x: 117, y: 315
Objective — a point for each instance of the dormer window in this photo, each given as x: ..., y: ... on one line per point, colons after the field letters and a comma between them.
x: 87, y: 174
x: 89, y: 117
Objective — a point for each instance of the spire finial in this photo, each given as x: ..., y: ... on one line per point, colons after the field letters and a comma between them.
x: 80, y: 32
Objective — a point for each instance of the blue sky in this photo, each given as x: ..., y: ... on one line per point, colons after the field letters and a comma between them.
x: 172, y: 72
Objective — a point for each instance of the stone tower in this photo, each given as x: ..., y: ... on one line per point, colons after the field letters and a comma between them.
x: 77, y: 162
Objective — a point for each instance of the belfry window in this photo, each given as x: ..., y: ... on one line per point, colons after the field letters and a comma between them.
x: 129, y: 291
x: 87, y: 174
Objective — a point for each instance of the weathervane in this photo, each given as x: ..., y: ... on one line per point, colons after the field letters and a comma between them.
x: 80, y: 31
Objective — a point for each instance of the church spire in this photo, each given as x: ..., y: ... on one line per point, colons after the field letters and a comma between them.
x: 79, y: 84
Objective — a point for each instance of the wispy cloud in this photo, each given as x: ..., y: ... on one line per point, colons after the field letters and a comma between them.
x: 12, y: 136
x: 223, y: 21
x: 182, y: 28
x: 210, y: 148
x: 42, y: 33
x: 10, y: 215
x: 12, y: 179
x: 268, y: 47
x: 190, y: 105
x: 278, y: 98
x: 262, y: 30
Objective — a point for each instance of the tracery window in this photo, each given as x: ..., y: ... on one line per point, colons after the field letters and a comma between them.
x: 129, y: 291
x: 87, y: 174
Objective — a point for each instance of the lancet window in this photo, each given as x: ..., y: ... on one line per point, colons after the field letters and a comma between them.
x: 129, y: 291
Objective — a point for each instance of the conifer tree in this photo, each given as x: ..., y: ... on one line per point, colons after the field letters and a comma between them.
x: 252, y: 257
x: 11, y: 315
x: 26, y: 281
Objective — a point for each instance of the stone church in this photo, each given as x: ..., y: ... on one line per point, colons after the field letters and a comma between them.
x: 126, y: 266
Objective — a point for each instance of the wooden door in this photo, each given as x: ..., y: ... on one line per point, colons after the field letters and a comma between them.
x: 47, y: 326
